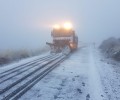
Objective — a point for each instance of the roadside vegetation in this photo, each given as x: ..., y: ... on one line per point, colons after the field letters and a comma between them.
x: 111, y: 48
x: 9, y: 56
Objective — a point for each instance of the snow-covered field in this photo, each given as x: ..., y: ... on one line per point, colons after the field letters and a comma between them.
x: 85, y: 75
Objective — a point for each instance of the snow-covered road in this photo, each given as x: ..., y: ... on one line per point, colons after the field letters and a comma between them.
x: 85, y: 75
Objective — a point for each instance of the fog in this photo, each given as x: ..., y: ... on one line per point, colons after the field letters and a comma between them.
x: 27, y: 23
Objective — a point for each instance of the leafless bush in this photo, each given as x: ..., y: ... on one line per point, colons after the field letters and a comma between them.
x: 111, y: 47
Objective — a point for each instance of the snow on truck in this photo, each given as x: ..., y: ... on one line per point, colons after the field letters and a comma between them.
x: 64, y: 39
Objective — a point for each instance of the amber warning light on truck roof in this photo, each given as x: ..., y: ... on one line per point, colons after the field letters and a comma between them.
x: 66, y: 26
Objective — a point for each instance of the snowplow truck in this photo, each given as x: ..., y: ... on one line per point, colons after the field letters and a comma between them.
x: 64, y: 41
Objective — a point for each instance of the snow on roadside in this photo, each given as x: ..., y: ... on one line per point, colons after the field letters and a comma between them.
x: 96, y: 87
x: 110, y: 76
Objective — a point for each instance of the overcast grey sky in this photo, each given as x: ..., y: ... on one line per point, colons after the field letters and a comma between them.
x: 27, y: 23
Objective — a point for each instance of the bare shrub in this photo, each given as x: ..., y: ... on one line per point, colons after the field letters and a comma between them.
x: 111, y: 47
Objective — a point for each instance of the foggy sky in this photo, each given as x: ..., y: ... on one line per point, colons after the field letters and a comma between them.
x: 27, y: 23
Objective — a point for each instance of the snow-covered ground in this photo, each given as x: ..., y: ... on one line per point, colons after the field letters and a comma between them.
x: 85, y: 75
x: 109, y: 71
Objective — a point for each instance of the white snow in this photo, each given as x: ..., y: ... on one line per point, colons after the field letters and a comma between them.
x: 96, y: 88
x: 84, y: 75
x: 77, y: 78
x: 109, y: 71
